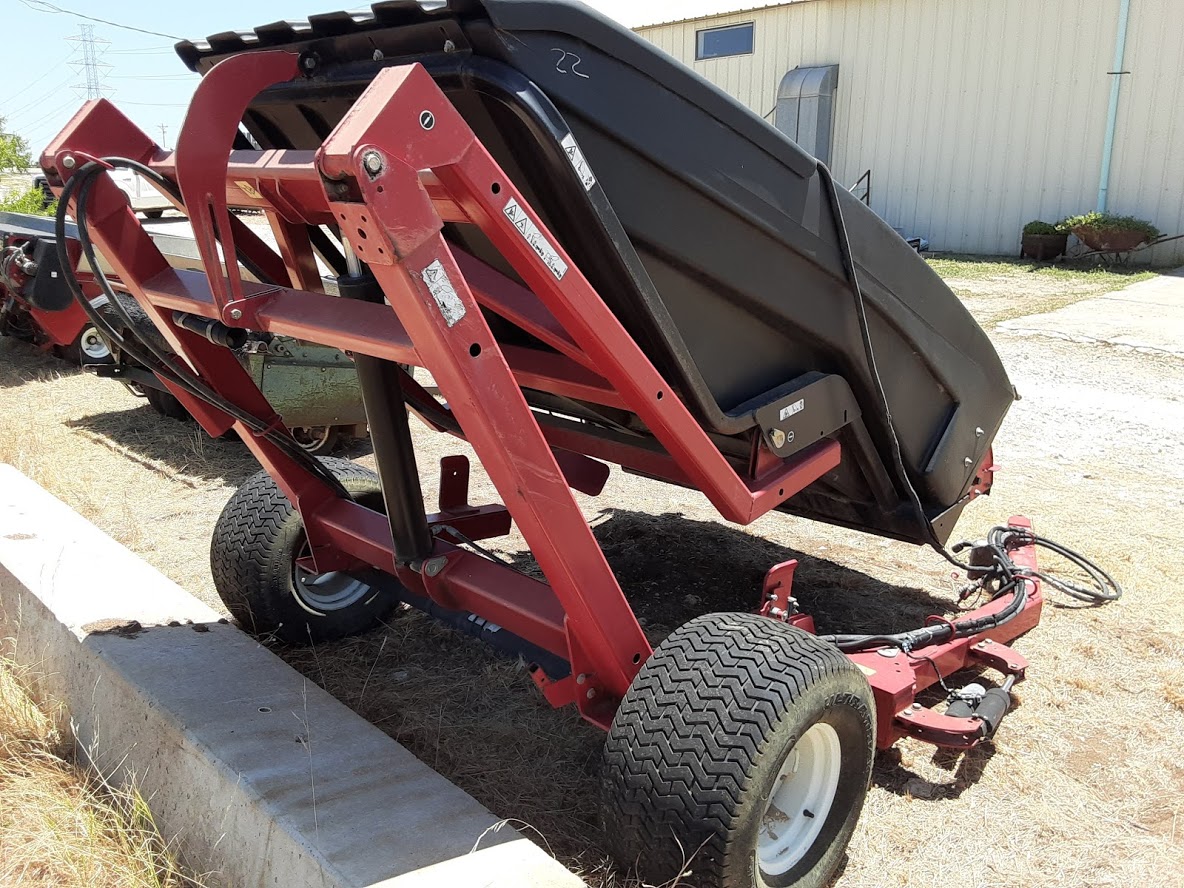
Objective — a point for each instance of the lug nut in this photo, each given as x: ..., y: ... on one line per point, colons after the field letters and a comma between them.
x: 372, y: 161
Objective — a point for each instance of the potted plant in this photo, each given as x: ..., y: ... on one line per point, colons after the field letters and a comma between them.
x: 1043, y: 240
x: 1107, y: 233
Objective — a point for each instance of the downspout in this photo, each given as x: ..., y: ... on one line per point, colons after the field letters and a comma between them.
x: 1124, y: 16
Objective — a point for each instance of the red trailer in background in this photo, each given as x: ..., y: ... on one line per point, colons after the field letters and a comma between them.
x: 34, y: 306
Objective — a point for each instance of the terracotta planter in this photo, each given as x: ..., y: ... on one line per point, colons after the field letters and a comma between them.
x: 1043, y: 247
x: 1110, y: 240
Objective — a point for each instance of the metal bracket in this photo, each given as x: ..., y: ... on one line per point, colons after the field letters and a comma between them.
x: 777, y: 601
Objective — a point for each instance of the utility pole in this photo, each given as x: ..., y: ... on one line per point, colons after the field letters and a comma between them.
x: 88, y: 49
x: 163, y: 136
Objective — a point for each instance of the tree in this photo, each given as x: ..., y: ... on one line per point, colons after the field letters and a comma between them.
x: 15, y: 157
x: 14, y: 152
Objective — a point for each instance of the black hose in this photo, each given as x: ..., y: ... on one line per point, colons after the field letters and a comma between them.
x: 1004, y: 572
x: 870, y: 355
x: 143, y: 351
x: 1007, y: 578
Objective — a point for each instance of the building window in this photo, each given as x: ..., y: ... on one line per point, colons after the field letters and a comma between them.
x: 714, y: 43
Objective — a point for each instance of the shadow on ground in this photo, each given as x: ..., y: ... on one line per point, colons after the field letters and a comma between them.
x: 144, y: 435
x: 477, y: 719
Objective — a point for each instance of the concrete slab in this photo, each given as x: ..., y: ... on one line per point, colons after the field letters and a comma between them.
x: 262, y: 777
x: 1148, y: 316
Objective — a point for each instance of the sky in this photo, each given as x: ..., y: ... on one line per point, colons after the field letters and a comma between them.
x: 141, y: 72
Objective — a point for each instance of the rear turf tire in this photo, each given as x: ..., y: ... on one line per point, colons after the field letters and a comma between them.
x: 712, y: 733
x: 253, y: 555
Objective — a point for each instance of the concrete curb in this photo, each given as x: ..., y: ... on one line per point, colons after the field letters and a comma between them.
x: 262, y: 777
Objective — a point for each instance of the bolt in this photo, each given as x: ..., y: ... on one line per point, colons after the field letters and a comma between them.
x: 778, y: 438
x: 915, y: 707
x: 591, y: 693
x: 1013, y: 666
x: 372, y: 161
x: 582, y: 678
x: 341, y: 189
x: 449, y: 46
x: 433, y: 566
x: 68, y: 161
x: 236, y: 313
x: 378, y: 56
x: 309, y: 62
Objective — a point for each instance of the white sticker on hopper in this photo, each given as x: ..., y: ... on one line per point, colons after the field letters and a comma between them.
x: 535, y: 238
x: 796, y: 407
x: 578, y: 163
x: 445, y: 294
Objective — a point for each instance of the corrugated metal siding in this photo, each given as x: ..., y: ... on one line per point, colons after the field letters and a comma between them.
x: 978, y: 117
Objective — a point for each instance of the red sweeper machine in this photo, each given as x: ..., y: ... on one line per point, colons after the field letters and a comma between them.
x: 600, y: 259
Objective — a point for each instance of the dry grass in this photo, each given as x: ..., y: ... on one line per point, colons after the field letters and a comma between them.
x: 1085, y: 784
x: 64, y: 827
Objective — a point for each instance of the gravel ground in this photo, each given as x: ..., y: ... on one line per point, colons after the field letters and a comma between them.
x: 1083, y: 785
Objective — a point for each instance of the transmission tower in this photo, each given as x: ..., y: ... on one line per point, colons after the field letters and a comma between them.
x: 87, y: 53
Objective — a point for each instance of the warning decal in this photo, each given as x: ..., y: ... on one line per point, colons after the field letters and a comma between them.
x: 535, y: 238
x: 444, y: 293
x: 578, y: 163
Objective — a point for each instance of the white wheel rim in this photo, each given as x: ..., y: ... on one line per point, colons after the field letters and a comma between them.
x: 800, y: 800
x: 93, y: 346
x: 312, y: 437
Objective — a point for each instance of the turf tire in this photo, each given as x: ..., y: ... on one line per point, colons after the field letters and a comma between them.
x: 258, y: 538
x: 699, y: 740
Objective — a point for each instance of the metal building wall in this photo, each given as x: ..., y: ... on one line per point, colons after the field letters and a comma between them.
x: 976, y: 117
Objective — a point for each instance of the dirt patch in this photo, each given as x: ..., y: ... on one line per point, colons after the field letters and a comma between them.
x: 1083, y: 784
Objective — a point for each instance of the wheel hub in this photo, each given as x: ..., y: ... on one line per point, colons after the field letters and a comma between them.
x: 93, y: 346
x: 800, y: 800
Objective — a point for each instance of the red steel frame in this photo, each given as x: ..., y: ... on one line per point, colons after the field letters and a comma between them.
x: 400, y: 164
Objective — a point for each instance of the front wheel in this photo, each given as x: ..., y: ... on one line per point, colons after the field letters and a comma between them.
x: 739, y: 758
x: 257, y: 543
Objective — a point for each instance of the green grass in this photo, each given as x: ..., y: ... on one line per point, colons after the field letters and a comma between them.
x: 1102, y: 277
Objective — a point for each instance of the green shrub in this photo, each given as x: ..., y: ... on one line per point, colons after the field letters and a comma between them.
x: 1102, y: 221
x: 31, y: 201
x: 1039, y: 227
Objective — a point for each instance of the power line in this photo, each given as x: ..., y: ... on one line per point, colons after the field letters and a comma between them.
x: 31, y: 127
x: 44, y: 6
x: 50, y: 70
x: 154, y: 77
x: 144, y: 50
x: 34, y: 104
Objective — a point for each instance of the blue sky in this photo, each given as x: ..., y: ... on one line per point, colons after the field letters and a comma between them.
x: 142, y: 74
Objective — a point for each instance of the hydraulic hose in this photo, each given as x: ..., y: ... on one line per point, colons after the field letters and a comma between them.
x: 144, y: 351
